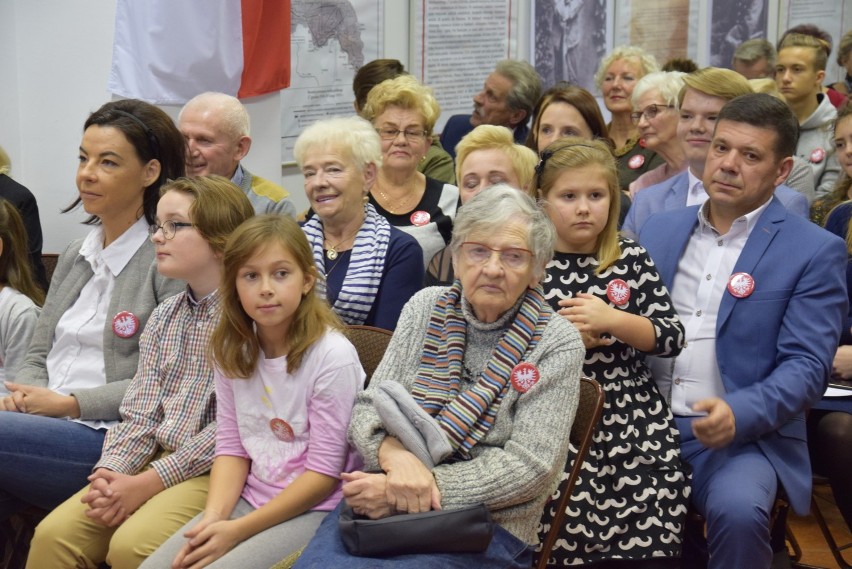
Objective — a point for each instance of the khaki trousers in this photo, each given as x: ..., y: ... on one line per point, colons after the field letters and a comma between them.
x: 67, y: 538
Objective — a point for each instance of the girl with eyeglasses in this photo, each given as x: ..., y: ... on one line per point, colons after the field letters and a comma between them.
x: 85, y: 347
x: 631, y: 497
x: 404, y: 112
x: 286, y: 380
x: 152, y: 476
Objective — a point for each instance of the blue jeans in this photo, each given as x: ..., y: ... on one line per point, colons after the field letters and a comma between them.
x: 326, y: 549
x: 43, y: 460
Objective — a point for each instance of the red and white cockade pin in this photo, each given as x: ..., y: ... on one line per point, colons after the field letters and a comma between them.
x: 741, y: 285
x: 636, y: 161
x: 282, y: 430
x: 618, y: 292
x: 817, y: 155
x: 125, y: 324
x: 420, y: 218
x: 524, y: 376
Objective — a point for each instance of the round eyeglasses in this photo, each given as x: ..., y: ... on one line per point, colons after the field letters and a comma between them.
x: 169, y: 228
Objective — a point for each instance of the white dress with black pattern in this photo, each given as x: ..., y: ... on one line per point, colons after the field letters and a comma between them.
x: 631, y: 497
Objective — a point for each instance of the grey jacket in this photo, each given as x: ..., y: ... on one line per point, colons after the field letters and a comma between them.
x: 139, y: 288
x: 517, y: 465
x: 816, y: 146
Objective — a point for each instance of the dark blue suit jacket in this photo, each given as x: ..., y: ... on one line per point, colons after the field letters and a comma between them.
x: 671, y: 194
x: 459, y: 125
x: 775, y: 347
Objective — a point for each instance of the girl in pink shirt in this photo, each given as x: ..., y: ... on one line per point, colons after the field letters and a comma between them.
x: 286, y: 381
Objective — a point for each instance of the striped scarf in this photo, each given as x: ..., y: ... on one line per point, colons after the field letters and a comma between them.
x: 366, y: 265
x: 467, y: 417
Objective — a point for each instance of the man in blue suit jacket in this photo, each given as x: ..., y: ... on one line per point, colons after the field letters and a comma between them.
x: 704, y: 94
x: 507, y: 99
x: 762, y: 296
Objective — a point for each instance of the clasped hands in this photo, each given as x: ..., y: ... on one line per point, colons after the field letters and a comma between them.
x: 38, y: 401
x: 405, y: 486
x: 113, y: 496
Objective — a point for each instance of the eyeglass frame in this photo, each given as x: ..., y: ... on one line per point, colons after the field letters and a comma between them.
x: 500, y: 253
x: 154, y: 228
x: 654, y: 109
x: 407, y: 134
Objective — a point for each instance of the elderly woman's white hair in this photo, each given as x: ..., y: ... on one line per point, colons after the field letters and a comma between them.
x: 352, y: 134
x: 498, y: 206
x: 668, y: 83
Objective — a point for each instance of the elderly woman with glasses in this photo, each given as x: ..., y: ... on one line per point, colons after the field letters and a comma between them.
x: 404, y: 112
x: 491, y: 377
x: 369, y: 268
x: 485, y: 156
x: 655, y: 113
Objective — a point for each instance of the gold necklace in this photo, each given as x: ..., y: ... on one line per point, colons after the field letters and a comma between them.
x: 401, y: 203
x: 332, y: 249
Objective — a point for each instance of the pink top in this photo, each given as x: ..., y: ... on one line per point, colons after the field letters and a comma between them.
x: 659, y: 174
x: 268, y: 418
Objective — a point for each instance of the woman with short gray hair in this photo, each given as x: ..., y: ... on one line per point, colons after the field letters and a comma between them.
x: 490, y: 379
x: 655, y: 113
x: 368, y: 268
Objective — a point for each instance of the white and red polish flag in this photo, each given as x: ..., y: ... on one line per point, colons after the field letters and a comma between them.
x: 168, y: 51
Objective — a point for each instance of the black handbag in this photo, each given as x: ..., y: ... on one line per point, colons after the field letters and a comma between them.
x: 467, y: 530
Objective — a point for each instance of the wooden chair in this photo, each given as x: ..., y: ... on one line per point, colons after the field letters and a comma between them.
x: 49, y: 261
x: 582, y: 430
x: 370, y: 343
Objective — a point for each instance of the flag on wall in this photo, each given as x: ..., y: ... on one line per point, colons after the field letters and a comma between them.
x: 168, y: 51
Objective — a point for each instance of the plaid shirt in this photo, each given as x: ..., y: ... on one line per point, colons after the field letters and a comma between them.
x: 170, y: 404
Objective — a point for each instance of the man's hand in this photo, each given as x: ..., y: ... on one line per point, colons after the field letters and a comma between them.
x: 718, y: 428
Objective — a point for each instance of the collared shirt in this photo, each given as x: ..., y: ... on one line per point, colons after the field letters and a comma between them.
x: 237, y: 178
x: 170, y: 403
x: 76, y: 357
x: 697, y: 195
x: 701, y: 280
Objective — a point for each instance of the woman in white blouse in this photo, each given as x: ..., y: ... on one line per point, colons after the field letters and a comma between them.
x: 85, y: 346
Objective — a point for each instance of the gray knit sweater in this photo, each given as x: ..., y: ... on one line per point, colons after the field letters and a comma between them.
x: 516, y: 467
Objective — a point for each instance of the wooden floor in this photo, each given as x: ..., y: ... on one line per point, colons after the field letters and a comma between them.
x: 814, y: 548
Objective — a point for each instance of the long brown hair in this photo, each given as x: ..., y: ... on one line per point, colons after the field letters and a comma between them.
x: 235, y: 346
x: 15, y: 268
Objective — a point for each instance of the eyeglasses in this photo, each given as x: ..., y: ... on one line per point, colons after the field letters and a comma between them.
x: 479, y: 254
x: 650, y: 112
x: 410, y: 135
x: 169, y: 228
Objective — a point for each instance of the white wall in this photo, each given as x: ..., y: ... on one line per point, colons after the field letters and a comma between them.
x: 56, y: 59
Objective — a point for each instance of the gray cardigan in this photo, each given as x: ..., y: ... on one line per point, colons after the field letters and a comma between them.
x: 139, y: 288
x: 518, y: 464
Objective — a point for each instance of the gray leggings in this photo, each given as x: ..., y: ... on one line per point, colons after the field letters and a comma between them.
x: 261, y: 550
